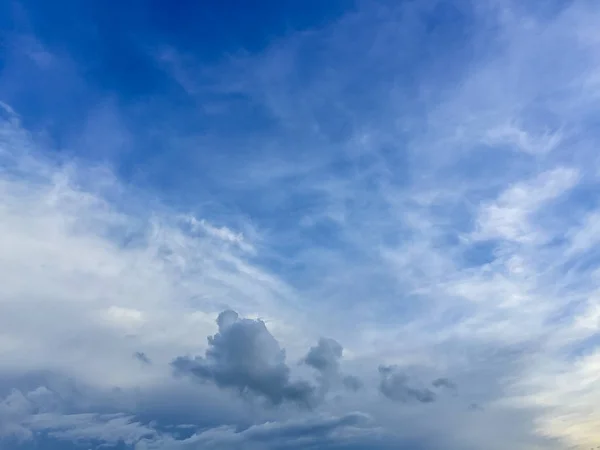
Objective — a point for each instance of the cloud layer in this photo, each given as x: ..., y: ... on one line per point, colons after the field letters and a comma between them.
x: 384, y: 217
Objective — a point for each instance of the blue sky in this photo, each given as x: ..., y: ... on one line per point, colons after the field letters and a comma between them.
x: 333, y: 225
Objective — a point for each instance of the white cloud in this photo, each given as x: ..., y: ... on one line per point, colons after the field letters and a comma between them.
x: 584, y: 236
x: 516, y: 136
x: 509, y: 217
x: 81, y: 275
x: 223, y: 233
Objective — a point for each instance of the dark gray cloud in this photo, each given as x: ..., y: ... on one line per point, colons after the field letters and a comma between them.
x: 325, y: 358
x: 444, y: 383
x: 243, y: 355
x: 142, y: 357
x: 395, y: 386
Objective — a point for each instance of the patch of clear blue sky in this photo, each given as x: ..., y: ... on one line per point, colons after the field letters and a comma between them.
x: 113, y: 47
x: 112, y: 42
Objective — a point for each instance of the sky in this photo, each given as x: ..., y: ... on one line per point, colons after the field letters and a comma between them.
x: 299, y: 225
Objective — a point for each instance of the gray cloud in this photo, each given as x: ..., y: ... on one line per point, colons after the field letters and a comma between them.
x: 444, y: 383
x: 23, y: 415
x: 350, y: 431
x: 142, y: 357
x: 352, y: 383
x: 395, y: 386
x: 37, y: 419
x: 325, y: 358
x: 244, y: 356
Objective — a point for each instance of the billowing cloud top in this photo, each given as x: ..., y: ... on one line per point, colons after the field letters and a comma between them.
x: 245, y: 356
x: 383, y: 215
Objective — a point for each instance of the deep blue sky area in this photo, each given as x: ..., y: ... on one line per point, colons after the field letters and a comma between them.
x: 108, y: 37
x: 115, y: 52
x: 112, y: 50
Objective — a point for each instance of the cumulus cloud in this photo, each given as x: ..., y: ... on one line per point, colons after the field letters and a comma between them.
x: 243, y: 355
x: 325, y: 358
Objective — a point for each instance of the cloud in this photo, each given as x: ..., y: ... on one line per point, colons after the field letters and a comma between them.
x: 443, y: 383
x: 120, y: 274
x: 325, y: 358
x: 223, y: 233
x: 244, y: 355
x: 396, y: 386
x: 352, y: 382
x: 347, y: 431
x: 37, y: 417
x: 508, y: 217
x: 430, y: 204
x: 24, y: 415
x: 12, y: 408
x: 514, y: 135
x: 142, y: 357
